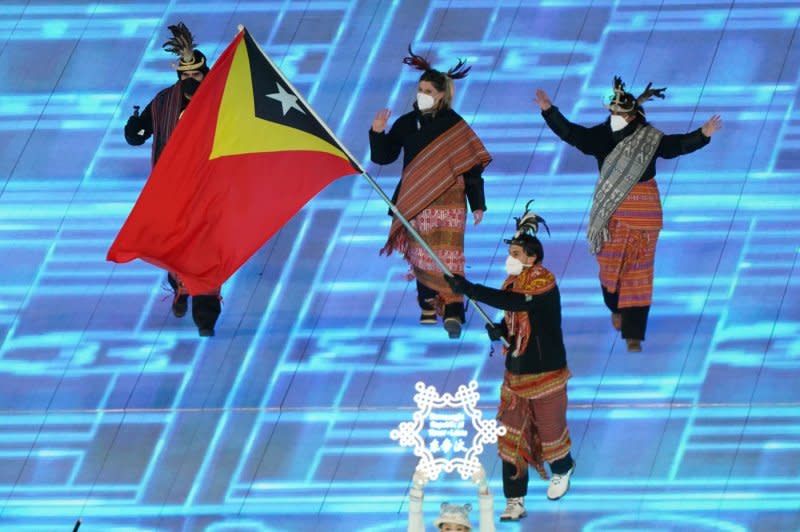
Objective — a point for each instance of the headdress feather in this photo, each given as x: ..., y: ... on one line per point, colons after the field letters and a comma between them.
x: 623, y: 101
x: 459, y: 71
x: 182, y: 44
x: 649, y: 93
x: 416, y: 61
x: 528, y: 224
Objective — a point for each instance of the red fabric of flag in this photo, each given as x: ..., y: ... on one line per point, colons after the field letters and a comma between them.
x: 246, y: 156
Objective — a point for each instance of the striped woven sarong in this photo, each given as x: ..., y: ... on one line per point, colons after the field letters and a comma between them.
x: 533, y: 408
x: 441, y: 225
x: 431, y: 197
x: 626, y: 260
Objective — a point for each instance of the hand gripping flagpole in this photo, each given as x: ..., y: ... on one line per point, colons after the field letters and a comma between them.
x: 357, y: 165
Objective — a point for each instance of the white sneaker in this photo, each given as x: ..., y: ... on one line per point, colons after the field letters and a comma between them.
x: 559, y: 484
x: 515, y: 509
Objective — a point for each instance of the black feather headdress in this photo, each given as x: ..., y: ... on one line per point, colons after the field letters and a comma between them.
x: 623, y: 101
x: 418, y: 62
x: 182, y: 44
x: 527, y: 226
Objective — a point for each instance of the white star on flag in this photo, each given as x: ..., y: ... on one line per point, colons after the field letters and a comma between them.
x: 287, y: 99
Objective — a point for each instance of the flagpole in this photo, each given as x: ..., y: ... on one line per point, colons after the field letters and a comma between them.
x: 413, y: 232
x: 356, y: 164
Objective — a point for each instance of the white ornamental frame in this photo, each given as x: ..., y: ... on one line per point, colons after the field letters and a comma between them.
x: 409, y: 432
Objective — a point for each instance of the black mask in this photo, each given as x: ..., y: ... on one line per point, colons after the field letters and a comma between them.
x: 189, y: 86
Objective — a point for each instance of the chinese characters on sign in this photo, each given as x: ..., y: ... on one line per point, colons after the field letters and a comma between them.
x: 450, y: 419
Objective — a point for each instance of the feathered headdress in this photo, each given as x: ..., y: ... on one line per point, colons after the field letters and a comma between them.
x: 182, y: 44
x: 527, y: 226
x: 420, y: 63
x: 623, y: 101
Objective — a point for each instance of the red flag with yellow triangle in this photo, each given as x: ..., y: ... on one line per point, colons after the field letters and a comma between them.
x: 247, y: 154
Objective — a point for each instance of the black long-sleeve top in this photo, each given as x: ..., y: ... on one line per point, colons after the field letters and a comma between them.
x: 411, y: 133
x: 598, y: 141
x: 545, y: 350
x: 140, y: 128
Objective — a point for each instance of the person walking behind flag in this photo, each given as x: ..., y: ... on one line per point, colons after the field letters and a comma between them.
x: 533, y: 397
x: 159, y: 119
x: 246, y: 155
x: 626, y: 217
x: 443, y: 161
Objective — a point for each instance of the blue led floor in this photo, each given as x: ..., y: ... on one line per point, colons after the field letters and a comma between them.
x: 115, y: 412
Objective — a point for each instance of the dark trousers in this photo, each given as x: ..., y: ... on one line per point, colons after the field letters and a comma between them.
x: 634, y: 319
x: 451, y: 310
x: 205, y: 310
x: 513, y: 488
x: 424, y: 294
x: 205, y: 307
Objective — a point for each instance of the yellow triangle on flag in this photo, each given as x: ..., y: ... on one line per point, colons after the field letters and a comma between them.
x: 240, y: 132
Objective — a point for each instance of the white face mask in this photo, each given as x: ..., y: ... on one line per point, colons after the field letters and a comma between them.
x: 513, y: 266
x: 425, y: 101
x: 618, y: 122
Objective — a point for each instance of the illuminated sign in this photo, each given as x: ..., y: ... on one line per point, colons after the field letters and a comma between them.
x: 450, y: 419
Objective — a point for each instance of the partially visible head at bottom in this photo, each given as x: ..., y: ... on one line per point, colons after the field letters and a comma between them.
x: 453, y: 527
x: 453, y: 518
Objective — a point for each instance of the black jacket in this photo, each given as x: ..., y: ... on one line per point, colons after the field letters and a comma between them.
x: 139, y: 128
x: 545, y: 350
x: 411, y: 133
x: 599, y: 140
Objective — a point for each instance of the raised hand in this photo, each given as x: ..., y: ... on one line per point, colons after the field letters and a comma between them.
x: 479, y: 478
x: 419, y: 479
x: 713, y: 125
x: 380, y: 120
x: 543, y: 100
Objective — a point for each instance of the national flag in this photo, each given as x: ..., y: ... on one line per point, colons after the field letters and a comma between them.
x: 247, y: 154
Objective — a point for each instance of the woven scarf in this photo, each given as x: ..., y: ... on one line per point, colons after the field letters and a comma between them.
x: 165, y: 109
x: 621, y: 170
x: 532, y: 281
x: 431, y: 173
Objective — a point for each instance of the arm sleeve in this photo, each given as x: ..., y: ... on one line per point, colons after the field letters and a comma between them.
x: 672, y: 146
x: 139, y: 128
x: 416, y: 521
x: 486, y: 502
x: 584, y: 138
x: 385, y: 147
x: 473, y: 185
x: 503, y: 299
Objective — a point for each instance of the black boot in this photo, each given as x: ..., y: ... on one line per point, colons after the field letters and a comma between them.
x: 180, y: 303
x: 425, y: 298
x: 453, y: 318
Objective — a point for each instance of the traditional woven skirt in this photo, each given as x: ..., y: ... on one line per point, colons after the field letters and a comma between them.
x: 533, y: 408
x: 626, y: 260
x: 442, y: 226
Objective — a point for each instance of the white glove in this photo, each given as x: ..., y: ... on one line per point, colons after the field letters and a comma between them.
x: 479, y: 478
x: 419, y: 479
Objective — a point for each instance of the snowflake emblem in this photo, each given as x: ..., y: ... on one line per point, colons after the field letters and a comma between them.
x: 447, y: 431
